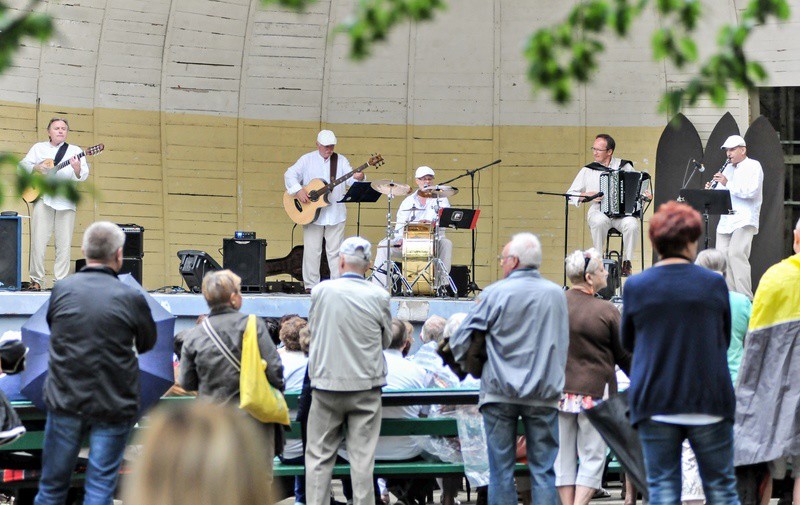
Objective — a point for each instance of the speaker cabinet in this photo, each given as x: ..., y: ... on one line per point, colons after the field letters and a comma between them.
x: 10, y: 252
x: 131, y: 266
x: 194, y: 265
x: 247, y: 259
x: 134, y: 240
x: 460, y: 276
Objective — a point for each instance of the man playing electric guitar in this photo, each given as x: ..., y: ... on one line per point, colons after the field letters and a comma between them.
x: 53, y: 213
x: 331, y: 220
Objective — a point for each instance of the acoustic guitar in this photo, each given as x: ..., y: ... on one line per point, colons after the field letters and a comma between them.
x: 31, y: 194
x: 319, y: 193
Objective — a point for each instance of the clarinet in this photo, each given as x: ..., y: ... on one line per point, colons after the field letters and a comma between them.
x: 724, y: 166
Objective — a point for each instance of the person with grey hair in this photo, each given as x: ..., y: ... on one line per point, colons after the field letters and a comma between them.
x: 203, y: 367
x: 327, y: 165
x: 432, y: 329
x: 98, y: 326
x: 594, y: 350
x: 351, y: 321
x: 53, y: 214
x: 767, y: 418
x: 524, y: 320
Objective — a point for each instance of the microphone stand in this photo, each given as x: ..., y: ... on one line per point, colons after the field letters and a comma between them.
x: 566, y: 197
x: 472, y: 287
x: 687, y: 181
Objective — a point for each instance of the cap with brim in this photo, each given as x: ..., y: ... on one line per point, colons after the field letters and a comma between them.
x: 356, y: 246
x: 734, y: 141
x: 423, y: 171
x: 326, y: 138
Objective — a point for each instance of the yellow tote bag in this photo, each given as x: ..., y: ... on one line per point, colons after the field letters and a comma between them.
x: 256, y: 395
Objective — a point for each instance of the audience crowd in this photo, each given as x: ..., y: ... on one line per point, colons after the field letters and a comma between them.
x: 711, y: 381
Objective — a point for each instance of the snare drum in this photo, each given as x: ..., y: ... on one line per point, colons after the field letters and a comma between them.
x: 419, y: 248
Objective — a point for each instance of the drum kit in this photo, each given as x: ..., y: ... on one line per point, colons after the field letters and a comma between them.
x: 423, y: 273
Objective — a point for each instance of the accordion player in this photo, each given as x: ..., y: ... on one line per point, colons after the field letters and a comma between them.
x: 623, y: 192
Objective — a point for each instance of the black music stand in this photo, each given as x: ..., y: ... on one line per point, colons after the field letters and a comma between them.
x: 459, y: 219
x: 360, y: 192
x: 709, y: 202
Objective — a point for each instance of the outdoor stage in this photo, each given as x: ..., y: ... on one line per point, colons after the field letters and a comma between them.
x: 17, y: 307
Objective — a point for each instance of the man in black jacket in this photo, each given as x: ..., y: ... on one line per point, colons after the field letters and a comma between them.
x: 97, y: 326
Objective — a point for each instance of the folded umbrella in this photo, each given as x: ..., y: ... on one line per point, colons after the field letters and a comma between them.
x: 611, y: 419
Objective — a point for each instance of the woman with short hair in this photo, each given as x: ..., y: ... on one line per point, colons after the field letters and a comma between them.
x: 594, y: 350
x: 677, y: 321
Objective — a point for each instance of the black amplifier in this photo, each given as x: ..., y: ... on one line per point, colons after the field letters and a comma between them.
x: 134, y: 240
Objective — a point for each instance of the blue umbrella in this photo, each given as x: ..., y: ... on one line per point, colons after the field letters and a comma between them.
x: 156, y: 374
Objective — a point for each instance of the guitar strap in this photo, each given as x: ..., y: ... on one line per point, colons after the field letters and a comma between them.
x: 60, y: 153
x: 334, y: 159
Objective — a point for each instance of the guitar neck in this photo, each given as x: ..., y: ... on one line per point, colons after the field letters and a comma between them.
x: 346, y: 176
x: 65, y: 162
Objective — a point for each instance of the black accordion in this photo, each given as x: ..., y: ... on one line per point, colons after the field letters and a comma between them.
x: 623, y: 192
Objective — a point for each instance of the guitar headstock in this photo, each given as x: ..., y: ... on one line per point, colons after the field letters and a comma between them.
x: 375, y: 161
x: 95, y: 150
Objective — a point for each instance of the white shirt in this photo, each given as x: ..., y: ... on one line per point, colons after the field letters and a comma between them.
x: 429, y: 211
x: 745, y: 182
x: 401, y: 374
x: 46, y: 151
x: 313, y: 166
x: 294, y: 369
x: 588, y: 181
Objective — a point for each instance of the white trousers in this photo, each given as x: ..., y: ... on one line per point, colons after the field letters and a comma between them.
x: 579, y: 441
x: 444, y: 250
x: 599, y: 224
x: 45, y: 220
x: 736, y: 247
x: 312, y: 250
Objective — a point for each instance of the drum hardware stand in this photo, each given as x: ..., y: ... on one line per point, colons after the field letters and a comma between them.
x: 439, y: 271
x: 472, y: 287
x: 390, y: 269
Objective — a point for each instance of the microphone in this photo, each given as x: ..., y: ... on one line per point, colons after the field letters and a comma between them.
x: 587, y: 199
x: 699, y: 166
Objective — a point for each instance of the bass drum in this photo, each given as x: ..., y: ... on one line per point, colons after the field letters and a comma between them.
x: 418, y: 251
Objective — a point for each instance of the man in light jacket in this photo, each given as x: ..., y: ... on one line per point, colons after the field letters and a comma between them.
x: 351, y: 325
x: 524, y: 319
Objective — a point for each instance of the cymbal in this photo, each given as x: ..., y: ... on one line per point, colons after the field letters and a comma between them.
x: 438, y: 192
x: 412, y: 209
x: 388, y: 187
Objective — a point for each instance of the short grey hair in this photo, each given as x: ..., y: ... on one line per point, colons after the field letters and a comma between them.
x: 218, y: 286
x: 102, y: 240
x: 433, y: 329
x: 527, y: 249
x: 576, y: 265
x: 453, y: 322
x: 713, y: 259
x: 355, y: 261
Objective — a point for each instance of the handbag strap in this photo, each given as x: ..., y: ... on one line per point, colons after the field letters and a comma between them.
x: 221, y: 346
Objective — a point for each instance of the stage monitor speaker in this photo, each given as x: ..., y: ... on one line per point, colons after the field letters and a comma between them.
x: 460, y: 276
x: 248, y: 260
x: 134, y: 240
x: 613, y: 282
x: 195, y: 265
x: 131, y: 266
x: 10, y: 252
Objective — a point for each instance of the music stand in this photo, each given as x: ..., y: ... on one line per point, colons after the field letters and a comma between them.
x: 360, y: 192
x: 708, y: 202
x: 459, y: 219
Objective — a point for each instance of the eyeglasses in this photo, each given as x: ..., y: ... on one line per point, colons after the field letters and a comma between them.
x: 597, y: 150
x: 586, y: 261
x: 502, y: 258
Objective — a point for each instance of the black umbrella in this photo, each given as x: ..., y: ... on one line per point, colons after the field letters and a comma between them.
x: 611, y: 419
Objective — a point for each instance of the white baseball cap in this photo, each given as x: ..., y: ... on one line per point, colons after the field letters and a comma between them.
x: 734, y: 141
x: 423, y: 171
x: 356, y: 246
x: 326, y: 138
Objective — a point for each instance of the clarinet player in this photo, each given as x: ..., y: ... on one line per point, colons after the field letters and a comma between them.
x: 744, y: 178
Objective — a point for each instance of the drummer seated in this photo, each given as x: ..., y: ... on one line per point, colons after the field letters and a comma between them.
x: 420, y: 207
